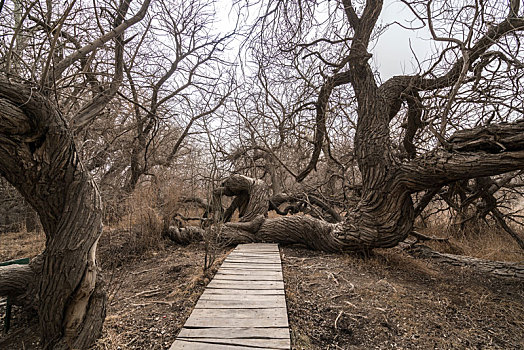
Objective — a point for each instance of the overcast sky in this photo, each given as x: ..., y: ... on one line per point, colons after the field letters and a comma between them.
x: 391, y: 54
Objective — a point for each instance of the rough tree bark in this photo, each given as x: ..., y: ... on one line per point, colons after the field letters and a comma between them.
x: 38, y: 157
x: 385, y: 213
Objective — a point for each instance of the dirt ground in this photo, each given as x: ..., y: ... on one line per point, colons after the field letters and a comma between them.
x: 149, y: 299
x: 389, y: 300
x: 393, y: 301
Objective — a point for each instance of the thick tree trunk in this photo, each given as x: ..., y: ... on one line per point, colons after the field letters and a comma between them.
x: 38, y: 157
x: 384, y: 215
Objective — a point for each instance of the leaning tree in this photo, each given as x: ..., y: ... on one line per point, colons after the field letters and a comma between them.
x: 447, y: 111
x: 59, y: 71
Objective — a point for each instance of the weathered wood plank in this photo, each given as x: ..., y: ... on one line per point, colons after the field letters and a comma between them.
x: 248, y: 254
x: 248, y: 266
x: 253, y: 272
x: 255, y: 258
x: 222, y: 291
x: 257, y: 245
x: 240, y: 297
x: 246, y: 278
x: 240, y: 313
x: 211, y: 322
x: 193, y: 345
x: 250, y: 273
x: 252, y: 261
x: 252, y: 255
x: 263, y: 251
x: 257, y: 343
x: 246, y: 285
x: 235, y: 304
x: 232, y: 333
x: 251, y: 266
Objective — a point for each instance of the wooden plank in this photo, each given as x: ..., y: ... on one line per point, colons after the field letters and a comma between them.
x: 257, y: 245
x: 256, y: 263
x: 275, y: 260
x: 252, y: 266
x: 261, y: 250
x: 211, y: 322
x: 245, y: 285
x: 240, y: 313
x: 245, y: 291
x: 237, y: 272
x: 252, y: 272
x: 232, y: 333
x: 255, y: 254
x: 246, y: 278
x: 249, y: 268
x: 270, y: 260
x: 256, y: 343
x: 239, y: 297
x: 257, y: 251
x: 247, y: 259
x: 193, y: 345
x: 250, y: 261
x: 228, y: 270
x: 275, y: 284
x: 246, y: 304
x: 249, y: 276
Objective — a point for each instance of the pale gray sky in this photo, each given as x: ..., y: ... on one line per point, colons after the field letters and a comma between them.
x: 392, y: 54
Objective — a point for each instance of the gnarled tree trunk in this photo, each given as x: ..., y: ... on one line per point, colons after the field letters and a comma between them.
x: 38, y: 157
x: 385, y: 214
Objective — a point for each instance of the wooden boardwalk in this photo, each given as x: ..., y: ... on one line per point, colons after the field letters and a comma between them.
x: 243, y: 307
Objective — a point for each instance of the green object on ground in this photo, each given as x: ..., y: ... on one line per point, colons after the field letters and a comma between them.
x: 7, y: 319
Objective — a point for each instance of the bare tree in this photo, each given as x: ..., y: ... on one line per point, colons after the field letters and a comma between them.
x: 38, y: 156
x: 446, y: 133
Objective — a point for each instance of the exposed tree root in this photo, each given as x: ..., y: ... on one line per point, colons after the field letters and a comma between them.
x: 496, y: 268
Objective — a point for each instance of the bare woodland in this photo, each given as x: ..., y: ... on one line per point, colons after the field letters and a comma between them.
x: 284, y: 112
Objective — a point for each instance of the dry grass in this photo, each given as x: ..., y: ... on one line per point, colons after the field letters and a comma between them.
x: 17, y: 245
x: 480, y: 240
x: 142, y: 221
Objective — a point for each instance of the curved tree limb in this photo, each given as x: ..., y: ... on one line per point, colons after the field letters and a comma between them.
x: 320, y: 124
x: 91, y: 109
x: 478, y: 152
x: 119, y: 30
